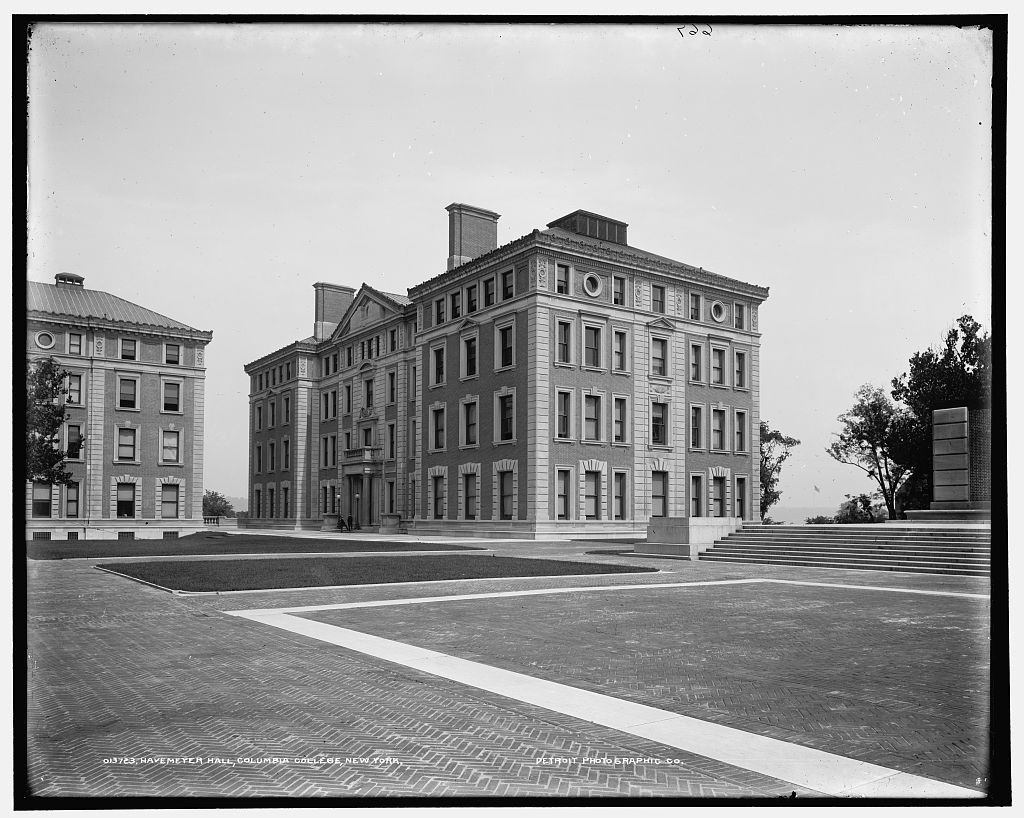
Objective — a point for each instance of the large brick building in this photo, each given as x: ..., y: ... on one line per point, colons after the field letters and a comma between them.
x: 134, y: 427
x: 563, y: 383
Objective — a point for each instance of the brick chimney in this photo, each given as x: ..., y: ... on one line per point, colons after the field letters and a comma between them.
x: 472, y: 231
x: 331, y: 302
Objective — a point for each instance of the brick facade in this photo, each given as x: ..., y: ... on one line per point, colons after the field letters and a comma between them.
x: 553, y: 392
x: 137, y: 401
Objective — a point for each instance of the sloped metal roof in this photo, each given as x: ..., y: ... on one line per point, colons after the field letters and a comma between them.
x: 79, y: 302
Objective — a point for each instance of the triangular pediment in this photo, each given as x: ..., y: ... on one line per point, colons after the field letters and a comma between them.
x: 368, y: 309
x: 467, y: 324
x: 661, y: 323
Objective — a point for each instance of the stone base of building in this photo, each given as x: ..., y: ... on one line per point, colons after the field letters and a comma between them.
x: 953, y: 512
x: 528, y: 529
x: 111, y: 529
x: 686, y: 536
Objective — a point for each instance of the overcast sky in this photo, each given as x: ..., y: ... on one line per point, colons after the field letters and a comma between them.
x: 215, y: 172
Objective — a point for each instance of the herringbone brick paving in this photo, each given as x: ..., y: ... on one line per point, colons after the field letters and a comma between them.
x: 121, y: 670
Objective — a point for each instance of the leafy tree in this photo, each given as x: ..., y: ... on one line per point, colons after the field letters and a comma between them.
x: 216, y: 504
x: 44, y: 416
x: 775, y: 450
x: 878, y: 438
x: 863, y: 508
x: 770, y: 521
x: 821, y: 519
x: 956, y: 373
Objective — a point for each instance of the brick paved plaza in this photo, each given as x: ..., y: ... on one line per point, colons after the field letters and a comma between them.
x: 119, y: 670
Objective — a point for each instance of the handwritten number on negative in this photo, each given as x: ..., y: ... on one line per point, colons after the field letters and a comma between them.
x: 691, y: 29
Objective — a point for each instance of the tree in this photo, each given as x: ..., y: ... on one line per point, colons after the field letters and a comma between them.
x: 775, y: 450
x: 863, y: 508
x: 216, y: 504
x: 821, y: 519
x: 44, y: 417
x: 957, y: 373
x: 877, y: 437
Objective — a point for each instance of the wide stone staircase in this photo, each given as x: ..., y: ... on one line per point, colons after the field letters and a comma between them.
x: 880, y: 547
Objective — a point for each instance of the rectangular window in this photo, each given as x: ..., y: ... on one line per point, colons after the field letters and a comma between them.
x: 563, y: 343
x: 412, y: 438
x: 71, y: 505
x: 272, y: 453
x: 284, y: 501
x: 564, y: 414
x: 125, y: 500
x: 505, y: 345
x: 469, y: 423
x: 469, y: 490
x: 563, y: 482
x: 367, y: 437
x: 348, y: 398
x: 718, y: 495
x: 271, y: 506
x: 439, y: 428
x: 505, y: 493
x: 129, y: 350
x: 259, y: 456
x: 619, y: 351
x: 172, y: 354
x: 334, y: 450
x: 334, y: 404
x: 74, y: 441
x: 657, y: 298
x: 456, y: 302
x: 718, y: 366
x: 694, y: 307
x: 170, y: 448
x: 740, y: 501
x: 696, y: 424
x: 659, y: 356
x: 169, y: 501
x: 438, y: 498
x: 348, y: 356
x: 75, y: 389
x: 287, y: 409
x: 659, y: 493
x: 469, y: 348
x: 391, y: 441
x: 717, y: 429
x: 288, y: 370
x: 286, y: 454
x: 392, y: 340
x: 507, y: 285
x: 591, y: 346
x: 618, y: 290
x: 741, y: 371
x: 738, y: 316
x: 696, y: 354
x: 126, y: 444
x: 273, y: 413
x: 325, y: 406
x: 74, y: 343
x: 471, y: 298
x: 696, y: 496
x: 41, y: 500
x: 259, y: 417
x: 368, y: 393
x: 619, y: 420
x: 127, y: 394
x: 439, y: 365
x: 562, y: 278
x: 489, y: 292
x: 592, y: 417
x: 172, y: 400
x: 659, y: 424
x: 507, y: 420
x: 741, y: 431
x: 619, y: 496
x: 592, y: 495
x: 392, y: 387
x: 439, y: 311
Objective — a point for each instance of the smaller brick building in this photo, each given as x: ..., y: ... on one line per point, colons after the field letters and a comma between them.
x: 134, y: 426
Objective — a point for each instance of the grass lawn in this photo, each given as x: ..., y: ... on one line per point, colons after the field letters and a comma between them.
x: 311, y: 572
x: 213, y: 543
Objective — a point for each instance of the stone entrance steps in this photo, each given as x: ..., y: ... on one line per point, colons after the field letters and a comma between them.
x: 920, y: 550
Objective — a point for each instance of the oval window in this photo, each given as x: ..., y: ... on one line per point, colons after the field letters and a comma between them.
x: 44, y: 340
x: 592, y: 284
x: 718, y: 311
